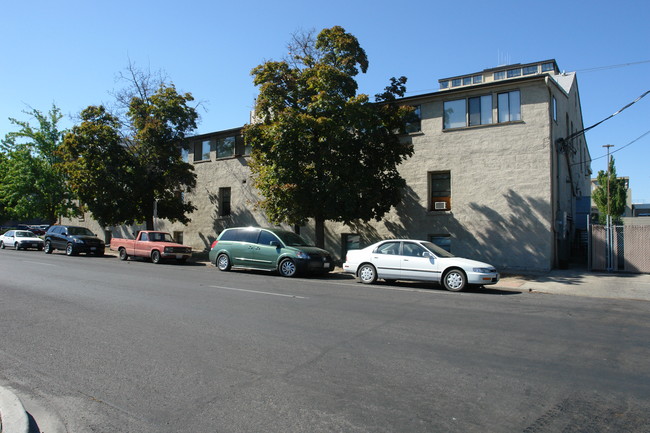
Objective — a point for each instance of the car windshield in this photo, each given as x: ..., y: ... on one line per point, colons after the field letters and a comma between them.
x: 292, y: 239
x: 25, y: 235
x: 435, y: 249
x: 79, y: 231
x: 160, y: 237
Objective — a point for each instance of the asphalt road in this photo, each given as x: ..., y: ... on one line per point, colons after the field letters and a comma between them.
x: 109, y: 346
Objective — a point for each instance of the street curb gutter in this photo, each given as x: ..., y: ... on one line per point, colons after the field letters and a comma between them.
x: 13, y: 417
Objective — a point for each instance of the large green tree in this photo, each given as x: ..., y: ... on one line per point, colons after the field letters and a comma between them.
x: 126, y: 170
x: 31, y: 187
x: 320, y: 150
x: 615, y: 205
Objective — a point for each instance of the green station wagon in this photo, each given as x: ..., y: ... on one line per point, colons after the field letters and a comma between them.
x: 268, y: 250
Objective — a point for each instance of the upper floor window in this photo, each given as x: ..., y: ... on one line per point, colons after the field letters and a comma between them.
x: 467, y: 81
x: 554, y: 108
x: 514, y: 72
x: 546, y: 67
x: 226, y: 147
x: 480, y: 110
x: 477, y: 79
x: 413, y: 123
x: 509, y: 106
x: 529, y: 70
x: 456, y: 112
x: 202, y: 150
x: 444, y: 84
x: 500, y: 75
x: 456, y: 82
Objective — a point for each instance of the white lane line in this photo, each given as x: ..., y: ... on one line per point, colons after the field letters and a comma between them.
x: 39, y: 263
x: 260, y: 293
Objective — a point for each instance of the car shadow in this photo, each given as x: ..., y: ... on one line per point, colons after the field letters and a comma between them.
x: 479, y: 290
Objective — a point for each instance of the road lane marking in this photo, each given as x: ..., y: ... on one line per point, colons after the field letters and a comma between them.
x: 39, y: 263
x: 259, y: 292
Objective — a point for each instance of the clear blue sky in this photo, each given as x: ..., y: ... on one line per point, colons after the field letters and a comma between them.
x: 69, y: 53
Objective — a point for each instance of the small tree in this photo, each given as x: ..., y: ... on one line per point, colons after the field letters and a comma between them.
x: 320, y: 150
x: 31, y: 187
x: 615, y: 207
x: 125, y: 171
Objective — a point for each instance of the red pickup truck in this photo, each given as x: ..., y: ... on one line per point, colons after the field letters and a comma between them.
x: 153, y: 245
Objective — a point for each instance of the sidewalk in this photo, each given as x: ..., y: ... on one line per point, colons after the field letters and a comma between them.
x: 580, y: 282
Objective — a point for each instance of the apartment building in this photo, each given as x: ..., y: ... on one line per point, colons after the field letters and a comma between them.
x: 493, y: 175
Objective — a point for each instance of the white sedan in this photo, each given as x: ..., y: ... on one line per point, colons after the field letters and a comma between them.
x: 406, y: 259
x: 21, y: 239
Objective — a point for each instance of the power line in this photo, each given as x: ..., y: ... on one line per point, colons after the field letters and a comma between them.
x: 621, y: 65
x: 617, y: 150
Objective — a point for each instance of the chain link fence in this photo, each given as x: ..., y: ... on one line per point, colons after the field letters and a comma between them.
x: 630, y: 248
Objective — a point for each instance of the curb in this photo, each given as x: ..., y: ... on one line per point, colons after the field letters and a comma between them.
x: 13, y: 418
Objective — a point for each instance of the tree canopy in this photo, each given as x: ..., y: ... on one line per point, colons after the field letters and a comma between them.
x: 30, y: 185
x: 320, y: 150
x: 126, y: 170
x: 617, y: 194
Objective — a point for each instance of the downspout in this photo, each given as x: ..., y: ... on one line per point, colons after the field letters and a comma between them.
x: 554, y: 190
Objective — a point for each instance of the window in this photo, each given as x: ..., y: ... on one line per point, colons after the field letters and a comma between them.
x: 350, y: 241
x: 499, y: 75
x: 266, y: 238
x: 509, y: 106
x: 178, y: 237
x: 455, y: 82
x: 554, y: 108
x: 224, y: 202
x: 480, y: 110
x: 444, y: 84
x: 412, y: 250
x: 443, y: 241
x: 440, y: 191
x: 530, y: 70
x: 413, y: 124
x: 202, y: 150
x: 467, y: 81
x: 477, y: 79
x: 512, y: 73
x: 391, y: 248
x: 226, y: 147
x: 546, y: 67
x: 454, y: 114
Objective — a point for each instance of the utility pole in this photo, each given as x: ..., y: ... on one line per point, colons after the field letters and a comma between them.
x: 609, y: 229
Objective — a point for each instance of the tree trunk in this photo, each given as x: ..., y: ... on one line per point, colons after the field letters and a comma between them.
x: 320, y: 231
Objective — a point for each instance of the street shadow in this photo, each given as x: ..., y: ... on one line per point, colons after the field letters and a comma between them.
x: 435, y: 286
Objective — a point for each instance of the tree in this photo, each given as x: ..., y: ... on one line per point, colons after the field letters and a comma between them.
x: 320, y: 150
x: 31, y: 186
x: 617, y: 195
x: 127, y: 170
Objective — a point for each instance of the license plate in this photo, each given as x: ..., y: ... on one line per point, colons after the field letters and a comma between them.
x: 179, y: 256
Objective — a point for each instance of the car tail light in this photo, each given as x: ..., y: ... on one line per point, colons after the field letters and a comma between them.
x: 213, y: 244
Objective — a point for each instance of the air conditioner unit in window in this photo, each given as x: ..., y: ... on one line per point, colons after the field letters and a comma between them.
x: 440, y: 205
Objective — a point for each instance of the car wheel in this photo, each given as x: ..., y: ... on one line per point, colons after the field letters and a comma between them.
x: 367, y: 274
x: 48, y: 247
x: 69, y: 250
x: 155, y: 256
x: 122, y: 254
x: 455, y: 280
x: 223, y: 262
x: 2, y: 245
x: 287, y: 268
